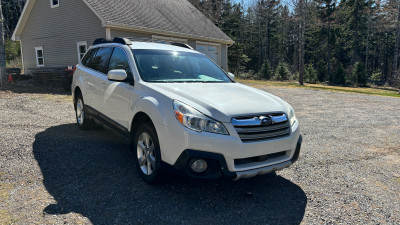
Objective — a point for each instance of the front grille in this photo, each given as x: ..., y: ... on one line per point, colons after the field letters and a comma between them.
x: 263, y: 127
x: 258, y: 159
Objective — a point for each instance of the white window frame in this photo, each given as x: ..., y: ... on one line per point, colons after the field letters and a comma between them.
x: 40, y: 48
x: 52, y: 5
x: 80, y: 43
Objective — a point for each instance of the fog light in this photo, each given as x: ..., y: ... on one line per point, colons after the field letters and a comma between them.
x: 199, y: 165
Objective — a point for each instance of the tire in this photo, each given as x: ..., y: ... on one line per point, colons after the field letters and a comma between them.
x: 81, y: 116
x: 146, y: 148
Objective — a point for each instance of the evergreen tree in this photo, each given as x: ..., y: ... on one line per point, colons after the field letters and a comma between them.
x: 282, y: 72
x: 340, y: 74
x: 310, y: 74
x: 266, y: 72
x: 359, y: 75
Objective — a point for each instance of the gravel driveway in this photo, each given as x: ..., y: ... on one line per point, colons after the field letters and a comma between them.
x: 53, y: 173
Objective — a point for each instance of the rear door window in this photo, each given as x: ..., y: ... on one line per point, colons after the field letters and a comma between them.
x: 100, y: 61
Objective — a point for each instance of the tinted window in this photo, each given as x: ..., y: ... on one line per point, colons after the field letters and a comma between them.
x: 100, y: 61
x: 88, y: 56
x: 174, y: 66
x: 119, y: 60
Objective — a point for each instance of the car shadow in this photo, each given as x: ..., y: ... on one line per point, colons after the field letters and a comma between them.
x: 91, y: 173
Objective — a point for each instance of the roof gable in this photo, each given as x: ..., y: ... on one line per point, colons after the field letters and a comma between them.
x: 173, y: 16
x: 168, y: 17
x: 29, y: 4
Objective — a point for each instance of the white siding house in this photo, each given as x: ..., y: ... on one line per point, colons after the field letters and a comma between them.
x: 56, y: 33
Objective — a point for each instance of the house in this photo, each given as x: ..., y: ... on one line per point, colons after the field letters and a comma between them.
x: 57, y: 33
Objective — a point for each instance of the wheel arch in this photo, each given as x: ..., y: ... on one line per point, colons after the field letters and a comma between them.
x: 77, y: 92
x: 140, y: 118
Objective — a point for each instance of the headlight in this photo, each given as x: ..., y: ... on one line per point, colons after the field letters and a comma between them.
x: 195, y: 120
x: 292, y: 116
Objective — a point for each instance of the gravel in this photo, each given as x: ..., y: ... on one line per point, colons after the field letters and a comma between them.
x: 53, y: 173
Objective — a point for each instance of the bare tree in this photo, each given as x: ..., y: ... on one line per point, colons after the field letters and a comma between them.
x: 2, y: 49
x: 302, y: 26
x: 396, y: 48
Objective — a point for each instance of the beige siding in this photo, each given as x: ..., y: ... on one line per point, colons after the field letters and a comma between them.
x: 58, y: 30
x: 129, y: 34
x: 192, y: 43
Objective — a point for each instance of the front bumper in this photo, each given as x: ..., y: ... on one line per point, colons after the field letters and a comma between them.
x: 218, y: 166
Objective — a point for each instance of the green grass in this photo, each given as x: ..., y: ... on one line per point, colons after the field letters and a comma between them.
x: 388, y: 92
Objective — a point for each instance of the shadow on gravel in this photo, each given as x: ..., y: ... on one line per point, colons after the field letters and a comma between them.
x: 91, y: 173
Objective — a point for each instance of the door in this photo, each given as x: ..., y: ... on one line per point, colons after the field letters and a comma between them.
x: 117, y: 96
x: 96, y: 81
x: 209, y: 50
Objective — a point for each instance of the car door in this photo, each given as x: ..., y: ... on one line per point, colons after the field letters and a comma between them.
x: 98, y: 77
x: 118, y: 95
x: 86, y: 73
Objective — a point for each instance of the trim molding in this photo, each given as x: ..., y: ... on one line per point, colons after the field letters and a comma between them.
x: 22, y: 20
x: 108, y: 33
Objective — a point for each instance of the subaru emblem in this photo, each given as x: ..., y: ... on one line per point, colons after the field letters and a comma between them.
x: 265, y: 121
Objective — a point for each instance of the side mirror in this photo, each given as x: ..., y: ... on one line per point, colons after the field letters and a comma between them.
x: 117, y: 75
x: 231, y: 75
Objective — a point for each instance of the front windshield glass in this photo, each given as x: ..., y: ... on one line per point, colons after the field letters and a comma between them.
x: 174, y: 66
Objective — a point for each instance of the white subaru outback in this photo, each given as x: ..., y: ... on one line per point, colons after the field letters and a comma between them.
x: 182, y: 112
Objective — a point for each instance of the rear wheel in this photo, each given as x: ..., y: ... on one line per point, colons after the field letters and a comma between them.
x: 81, y: 118
x: 148, y: 156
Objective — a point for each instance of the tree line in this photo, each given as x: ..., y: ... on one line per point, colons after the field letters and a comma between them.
x: 333, y: 41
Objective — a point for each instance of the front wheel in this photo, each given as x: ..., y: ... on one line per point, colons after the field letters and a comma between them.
x: 148, y: 156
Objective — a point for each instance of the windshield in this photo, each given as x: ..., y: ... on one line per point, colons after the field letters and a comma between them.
x: 173, y: 66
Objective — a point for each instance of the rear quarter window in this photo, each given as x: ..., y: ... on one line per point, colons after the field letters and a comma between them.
x: 88, y: 57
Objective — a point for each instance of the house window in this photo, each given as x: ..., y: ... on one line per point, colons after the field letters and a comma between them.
x: 39, y: 56
x: 54, y: 3
x: 82, y: 47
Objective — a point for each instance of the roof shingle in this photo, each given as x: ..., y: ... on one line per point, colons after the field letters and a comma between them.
x: 175, y: 16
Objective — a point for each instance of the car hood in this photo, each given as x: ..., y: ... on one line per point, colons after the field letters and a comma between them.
x: 221, y: 101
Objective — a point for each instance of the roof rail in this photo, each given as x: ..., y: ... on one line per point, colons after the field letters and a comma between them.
x: 182, y: 45
x: 127, y: 41
x: 117, y: 40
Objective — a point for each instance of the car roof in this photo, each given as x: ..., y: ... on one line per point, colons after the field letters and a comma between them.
x: 150, y: 45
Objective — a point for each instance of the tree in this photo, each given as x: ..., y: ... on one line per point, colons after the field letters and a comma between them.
x: 282, y: 72
x: 359, y: 75
x: 340, y: 74
x: 326, y: 9
x: 2, y: 48
x: 333, y: 34
x: 266, y: 72
x: 396, y: 47
x: 310, y: 74
x: 302, y: 28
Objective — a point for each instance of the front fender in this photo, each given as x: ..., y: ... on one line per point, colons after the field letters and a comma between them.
x: 153, y: 108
